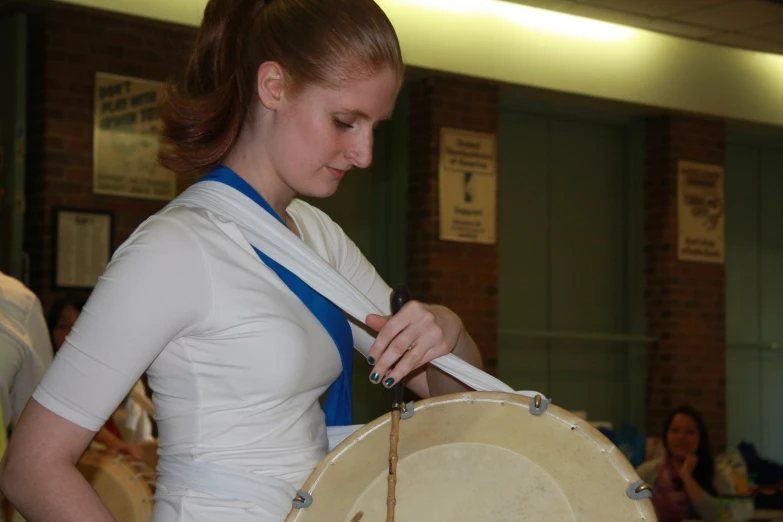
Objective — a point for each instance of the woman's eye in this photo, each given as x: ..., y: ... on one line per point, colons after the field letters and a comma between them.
x: 342, y: 125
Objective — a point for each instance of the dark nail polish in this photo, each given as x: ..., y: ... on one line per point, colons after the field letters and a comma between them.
x: 389, y: 382
x: 371, y: 360
x: 374, y: 377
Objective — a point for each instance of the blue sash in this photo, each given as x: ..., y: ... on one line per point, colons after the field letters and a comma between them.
x: 338, y: 407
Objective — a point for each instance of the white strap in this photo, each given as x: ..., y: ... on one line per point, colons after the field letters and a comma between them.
x: 274, y: 239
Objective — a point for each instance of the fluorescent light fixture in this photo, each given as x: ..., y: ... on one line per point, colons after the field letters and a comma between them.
x: 529, y: 17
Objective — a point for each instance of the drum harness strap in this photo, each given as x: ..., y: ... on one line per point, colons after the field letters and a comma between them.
x: 267, y: 234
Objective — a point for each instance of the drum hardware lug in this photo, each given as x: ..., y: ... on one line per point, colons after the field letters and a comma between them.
x: 302, y: 499
x: 538, y: 405
x: 639, y: 490
x: 406, y: 410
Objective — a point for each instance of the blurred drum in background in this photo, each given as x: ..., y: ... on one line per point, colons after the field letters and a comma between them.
x: 124, y: 485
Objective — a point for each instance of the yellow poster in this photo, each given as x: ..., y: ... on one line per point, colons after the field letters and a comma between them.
x: 126, y: 141
x: 467, y: 184
x: 701, y: 212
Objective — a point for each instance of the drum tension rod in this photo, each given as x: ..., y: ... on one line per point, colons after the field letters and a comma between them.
x: 406, y: 410
x: 302, y: 499
x: 639, y: 490
x: 538, y: 405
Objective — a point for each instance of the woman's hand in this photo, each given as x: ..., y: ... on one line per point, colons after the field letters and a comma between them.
x: 688, y: 465
x: 414, y: 336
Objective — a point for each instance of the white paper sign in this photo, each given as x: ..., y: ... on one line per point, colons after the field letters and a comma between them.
x: 468, y: 186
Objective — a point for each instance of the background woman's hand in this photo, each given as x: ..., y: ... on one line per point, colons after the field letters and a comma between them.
x: 686, y: 470
x: 414, y: 336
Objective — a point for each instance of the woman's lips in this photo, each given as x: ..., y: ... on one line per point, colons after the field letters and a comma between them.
x: 336, y: 173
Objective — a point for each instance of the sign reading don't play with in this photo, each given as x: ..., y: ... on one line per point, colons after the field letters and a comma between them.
x: 126, y: 140
x: 467, y: 183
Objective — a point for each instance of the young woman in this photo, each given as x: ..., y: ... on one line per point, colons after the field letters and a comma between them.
x: 685, y: 481
x: 280, y: 99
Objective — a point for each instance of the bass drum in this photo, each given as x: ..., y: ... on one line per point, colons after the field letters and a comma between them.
x: 493, y: 457
x: 124, y: 486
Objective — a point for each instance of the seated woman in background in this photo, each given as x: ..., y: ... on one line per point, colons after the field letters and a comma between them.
x: 62, y: 316
x: 685, y: 481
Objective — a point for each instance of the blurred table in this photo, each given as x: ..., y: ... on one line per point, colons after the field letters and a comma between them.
x: 767, y: 515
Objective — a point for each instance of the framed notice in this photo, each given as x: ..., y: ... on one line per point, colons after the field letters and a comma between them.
x: 82, y: 246
x: 125, y: 139
x: 467, y: 182
x: 701, y: 213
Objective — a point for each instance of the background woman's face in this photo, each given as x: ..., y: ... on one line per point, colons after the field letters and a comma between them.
x: 64, y: 324
x: 682, y: 438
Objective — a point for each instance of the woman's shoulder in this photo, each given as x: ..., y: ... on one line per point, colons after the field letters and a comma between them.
x: 175, y: 233
x: 312, y: 218
x: 320, y: 231
x: 647, y: 471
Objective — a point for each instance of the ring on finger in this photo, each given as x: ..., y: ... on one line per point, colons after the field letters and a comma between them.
x: 409, y: 348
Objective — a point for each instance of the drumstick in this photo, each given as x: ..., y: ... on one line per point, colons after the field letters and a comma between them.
x: 400, y: 296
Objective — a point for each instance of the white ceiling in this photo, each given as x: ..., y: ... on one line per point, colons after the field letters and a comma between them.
x: 747, y: 24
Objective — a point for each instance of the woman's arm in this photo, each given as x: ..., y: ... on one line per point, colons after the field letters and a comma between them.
x: 443, y: 330
x: 155, y: 289
x: 38, y: 474
x: 416, y: 335
x: 705, y: 504
x: 439, y: 382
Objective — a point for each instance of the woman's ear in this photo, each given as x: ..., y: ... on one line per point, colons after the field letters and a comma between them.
x: 270, y: 80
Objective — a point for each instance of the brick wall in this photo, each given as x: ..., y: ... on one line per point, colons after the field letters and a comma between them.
x: 685, y: 301
x: 67, y: 46
x: 462, y: 276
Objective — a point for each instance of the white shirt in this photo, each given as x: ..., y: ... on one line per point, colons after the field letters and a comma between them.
x: 236, y: 361
x: 25, y: 347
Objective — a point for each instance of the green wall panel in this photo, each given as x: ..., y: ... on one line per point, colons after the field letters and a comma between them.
x: 754, y: 293
x: 569, y: 261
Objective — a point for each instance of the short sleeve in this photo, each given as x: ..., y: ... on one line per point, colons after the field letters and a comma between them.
x: 156, y: 289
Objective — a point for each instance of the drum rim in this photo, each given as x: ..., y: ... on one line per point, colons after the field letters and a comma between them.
x: 122, y: 466
x: 513, y: 399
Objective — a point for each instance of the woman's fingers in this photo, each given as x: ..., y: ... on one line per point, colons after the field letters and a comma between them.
x: 392, y: 355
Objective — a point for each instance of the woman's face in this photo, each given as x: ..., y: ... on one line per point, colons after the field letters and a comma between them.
x: 683, y: 436
x: 324, y: 132
x: 64, y: 324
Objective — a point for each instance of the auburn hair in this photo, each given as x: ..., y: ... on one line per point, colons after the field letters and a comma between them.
x: 322, y: 42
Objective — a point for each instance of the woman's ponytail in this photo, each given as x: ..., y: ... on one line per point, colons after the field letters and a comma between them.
x: 203, y: 114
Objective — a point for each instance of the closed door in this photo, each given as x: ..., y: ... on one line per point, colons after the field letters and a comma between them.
x: 564, y: 263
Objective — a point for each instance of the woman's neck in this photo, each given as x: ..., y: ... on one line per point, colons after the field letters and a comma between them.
x: 250, y: 161
x: 274, y: 192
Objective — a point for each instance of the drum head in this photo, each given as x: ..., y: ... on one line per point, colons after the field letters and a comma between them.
x: 477, y: 456
x: 119, y: 485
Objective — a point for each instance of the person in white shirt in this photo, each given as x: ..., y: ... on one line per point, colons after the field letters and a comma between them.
x: 280, y: 99
x: 25, y: 349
